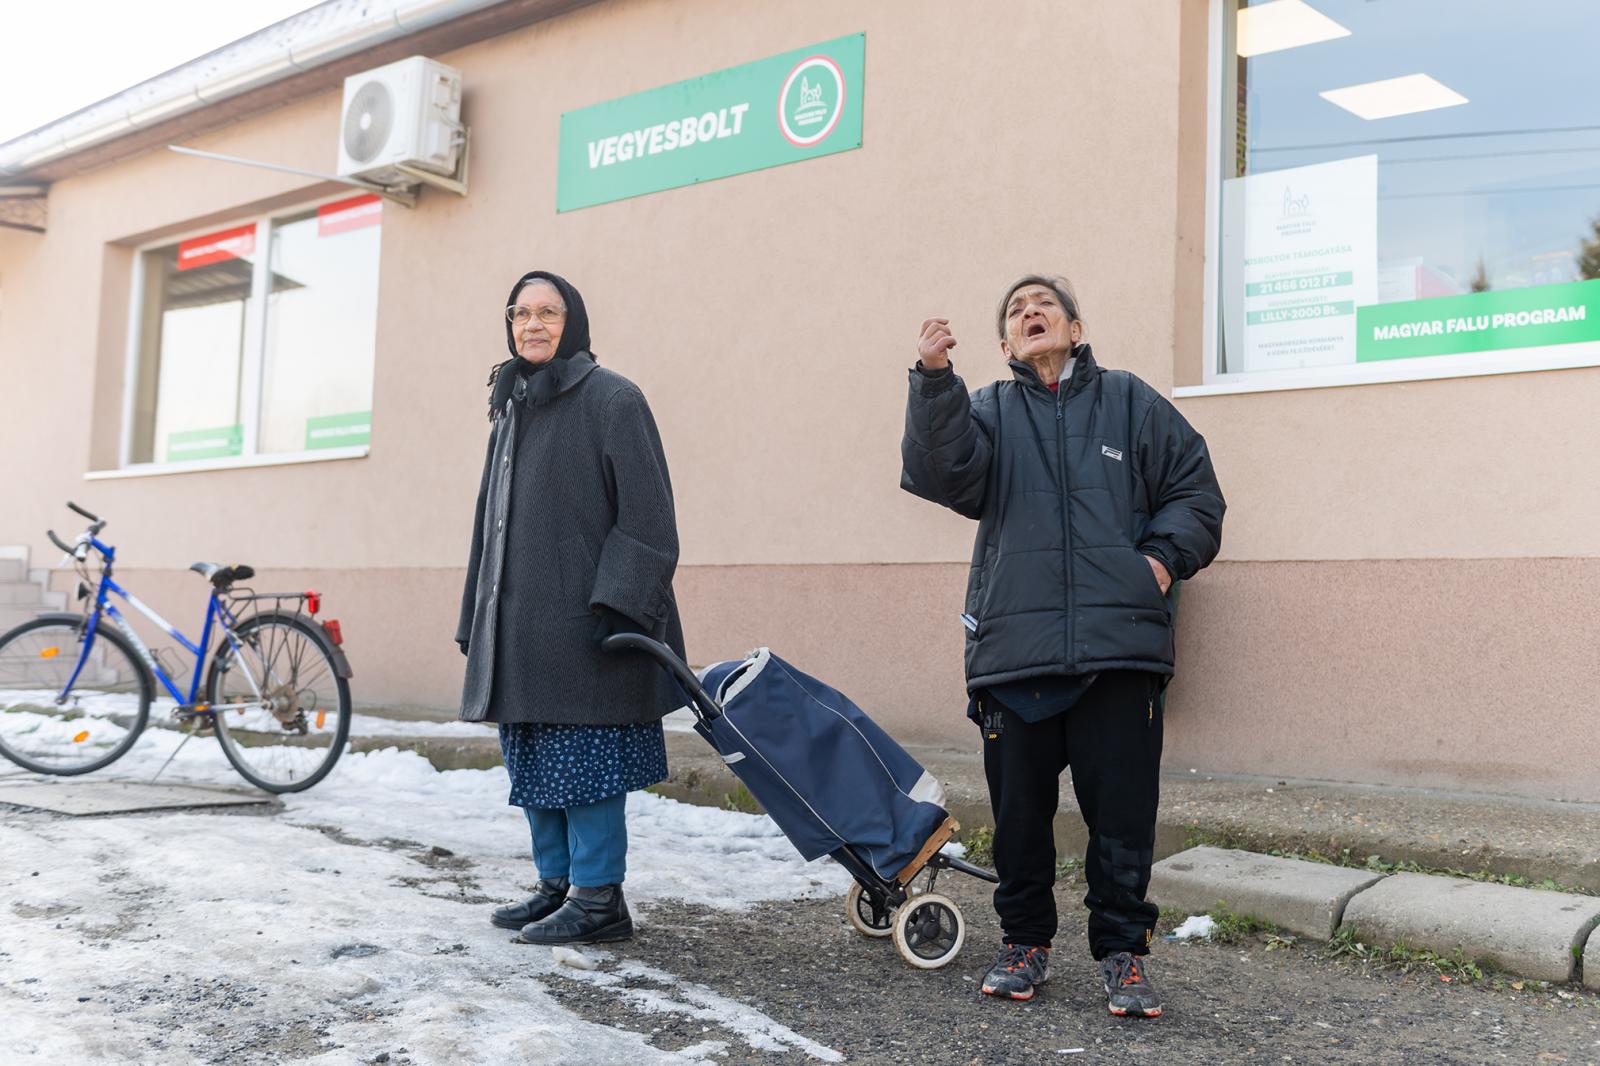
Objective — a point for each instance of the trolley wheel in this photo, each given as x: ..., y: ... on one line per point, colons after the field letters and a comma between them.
x: 929, y: 931
x: 864, y: 917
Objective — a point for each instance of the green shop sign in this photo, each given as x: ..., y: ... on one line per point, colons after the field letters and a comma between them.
x: 1479, y: 322
x: 205, y: 443
x: 783, y: 109
x: 338, y: 431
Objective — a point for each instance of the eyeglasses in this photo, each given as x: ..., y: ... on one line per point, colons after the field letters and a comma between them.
x: 518, y: 315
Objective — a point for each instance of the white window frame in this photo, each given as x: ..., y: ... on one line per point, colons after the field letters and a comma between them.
x: 250, y: 370
x: 1425, y: 368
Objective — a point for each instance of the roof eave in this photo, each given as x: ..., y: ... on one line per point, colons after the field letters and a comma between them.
x: 429, y: 27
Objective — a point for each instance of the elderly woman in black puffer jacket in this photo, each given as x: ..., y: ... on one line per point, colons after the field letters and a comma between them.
x: 574, y: 539
x: 1092, y: 496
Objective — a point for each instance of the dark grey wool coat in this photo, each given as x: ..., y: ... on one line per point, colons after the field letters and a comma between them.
x: 574, y: 513
x: 1071, y: 491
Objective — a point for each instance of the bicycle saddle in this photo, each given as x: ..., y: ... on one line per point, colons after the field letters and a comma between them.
x: 223, y: 576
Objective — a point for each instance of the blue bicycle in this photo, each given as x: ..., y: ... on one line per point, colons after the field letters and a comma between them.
x: 76, y: 692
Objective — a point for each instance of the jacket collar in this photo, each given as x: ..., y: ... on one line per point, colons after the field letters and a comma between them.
x: 565, y: 374
x: 1083, y: 368
x: 557, y: 377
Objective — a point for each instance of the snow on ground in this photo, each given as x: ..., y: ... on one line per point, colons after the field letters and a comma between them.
x: 1195, y: 927
x: 351, y: 922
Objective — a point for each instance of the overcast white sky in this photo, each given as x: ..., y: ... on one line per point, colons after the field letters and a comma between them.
x: 58, y: 57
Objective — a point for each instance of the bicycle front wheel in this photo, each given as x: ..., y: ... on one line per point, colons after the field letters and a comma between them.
x: 282, y: 711
x: 49, y: 728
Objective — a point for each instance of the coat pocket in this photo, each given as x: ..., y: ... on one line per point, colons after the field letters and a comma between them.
x: 577, y: 576
x: 1147, y: 583
x: 981, y: 581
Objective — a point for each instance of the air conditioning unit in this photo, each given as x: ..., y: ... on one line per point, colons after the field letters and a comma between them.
x: 404, y: 115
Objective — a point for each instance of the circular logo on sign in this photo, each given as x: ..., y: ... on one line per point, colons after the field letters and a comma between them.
x: 811, y: 101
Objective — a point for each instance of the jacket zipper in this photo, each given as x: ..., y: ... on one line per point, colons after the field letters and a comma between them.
x: 1066, y: 509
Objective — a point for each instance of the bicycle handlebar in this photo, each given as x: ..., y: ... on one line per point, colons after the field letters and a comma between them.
x: 705, y: 708
x: 99, y: 523
x: 58, y: 542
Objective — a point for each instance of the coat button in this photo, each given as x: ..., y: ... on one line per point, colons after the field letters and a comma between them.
x: 506, y: 461
x: 500, y: 524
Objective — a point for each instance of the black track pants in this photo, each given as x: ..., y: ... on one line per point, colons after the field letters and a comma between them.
x: 1112, y: 741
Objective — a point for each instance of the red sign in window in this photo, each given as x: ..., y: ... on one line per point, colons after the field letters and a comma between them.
x: 216, y: 247
x: 345, y: 215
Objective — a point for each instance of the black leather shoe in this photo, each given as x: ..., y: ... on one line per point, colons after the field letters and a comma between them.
x: 547, y: 898
x: 589, y: 916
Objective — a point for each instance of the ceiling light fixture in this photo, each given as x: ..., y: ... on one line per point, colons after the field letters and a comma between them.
x: 1283, y: 24
x: 1394, y: 96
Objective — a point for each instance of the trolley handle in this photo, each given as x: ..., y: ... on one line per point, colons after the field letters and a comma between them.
x: 705, y: 708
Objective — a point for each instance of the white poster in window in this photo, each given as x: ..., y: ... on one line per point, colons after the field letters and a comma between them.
x: 1300, y: 254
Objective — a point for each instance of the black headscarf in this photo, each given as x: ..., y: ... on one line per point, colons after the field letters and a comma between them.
x: 574, y: 336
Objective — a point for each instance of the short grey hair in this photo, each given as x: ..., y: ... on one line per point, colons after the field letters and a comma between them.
x: 1054, y: 282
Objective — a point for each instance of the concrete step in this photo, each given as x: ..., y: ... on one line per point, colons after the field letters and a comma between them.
x: 15, y: 616
x: 20, y: 593
x: 13, y: 570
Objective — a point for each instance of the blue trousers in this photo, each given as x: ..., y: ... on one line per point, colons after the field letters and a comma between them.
x: 588, y: 844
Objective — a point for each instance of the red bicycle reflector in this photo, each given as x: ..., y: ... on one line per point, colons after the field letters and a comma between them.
x: 331, y: 627
x: 313, y: 602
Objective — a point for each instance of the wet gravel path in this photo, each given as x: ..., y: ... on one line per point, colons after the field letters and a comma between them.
x: 804, y: 967
x: 789, y: 983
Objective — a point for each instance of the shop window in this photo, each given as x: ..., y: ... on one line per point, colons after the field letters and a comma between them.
x: 1408, y: 189
x: 257, y: 338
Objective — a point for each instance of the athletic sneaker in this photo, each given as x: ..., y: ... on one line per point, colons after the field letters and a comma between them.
x: 1128, y: 989
x: 1017, y: 972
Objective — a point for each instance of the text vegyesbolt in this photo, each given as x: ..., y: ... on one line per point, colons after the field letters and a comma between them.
x: 667, y: 136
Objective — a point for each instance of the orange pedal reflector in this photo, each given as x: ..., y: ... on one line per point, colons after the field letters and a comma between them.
x: 322, y: 719
x: 49, y: 653
x: 81, y: 737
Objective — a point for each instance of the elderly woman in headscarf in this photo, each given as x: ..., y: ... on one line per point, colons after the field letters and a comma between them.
x: 574, y: 540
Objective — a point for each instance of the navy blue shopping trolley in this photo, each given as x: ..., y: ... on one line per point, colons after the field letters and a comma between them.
x: 837, y: 785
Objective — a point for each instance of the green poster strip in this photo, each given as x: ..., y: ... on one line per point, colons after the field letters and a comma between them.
x: 338, y: 431
x: 205, y: 443
x: 1300, y: 312
x: 1480, y: 322
x: 783, y: 109
x: 1303, y: 283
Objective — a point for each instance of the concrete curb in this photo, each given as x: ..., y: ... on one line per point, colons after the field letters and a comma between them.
x: 1523, y: 930
x: 444, y: 753
x: 1527, y: 931
x: 1591, y: 972
x: 1304, y: 898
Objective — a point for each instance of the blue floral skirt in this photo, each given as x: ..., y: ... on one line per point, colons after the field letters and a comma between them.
x: 555, y: 766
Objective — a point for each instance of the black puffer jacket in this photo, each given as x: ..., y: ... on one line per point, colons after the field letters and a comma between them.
x: 1070, y: 493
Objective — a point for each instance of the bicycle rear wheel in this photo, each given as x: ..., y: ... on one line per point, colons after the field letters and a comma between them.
x: 282, y: 711
x: 51, y: 730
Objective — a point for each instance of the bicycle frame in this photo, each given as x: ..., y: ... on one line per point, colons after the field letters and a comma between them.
x: 217, y: 616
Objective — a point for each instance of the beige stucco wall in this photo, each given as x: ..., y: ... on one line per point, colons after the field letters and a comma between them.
x: 770, y: 317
